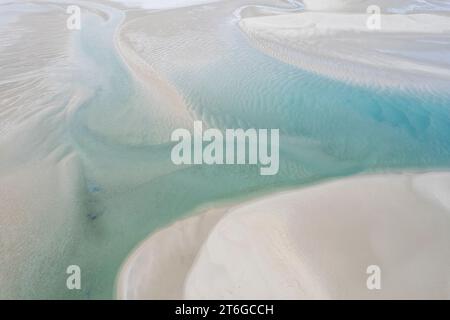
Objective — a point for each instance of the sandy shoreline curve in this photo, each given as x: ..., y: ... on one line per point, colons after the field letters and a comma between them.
x: 311, y: 243
x: 402, y: 53
x: 167, y: 103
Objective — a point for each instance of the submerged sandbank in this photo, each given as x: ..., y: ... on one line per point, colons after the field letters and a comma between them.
x: 39, y: 173
x: 310, y: 243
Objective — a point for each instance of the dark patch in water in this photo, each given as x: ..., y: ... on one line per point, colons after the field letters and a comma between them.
x: 92, y: 215
x: 93, y: 188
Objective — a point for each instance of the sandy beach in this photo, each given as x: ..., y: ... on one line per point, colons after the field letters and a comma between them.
x: 402, y: 53
x: 34, y: 164
x: 313, y: 242
x: 309, y: 243
x: 86, y: 176
x: 157, y: 268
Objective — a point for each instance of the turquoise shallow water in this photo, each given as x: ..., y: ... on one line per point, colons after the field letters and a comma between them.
x: 344, y: 125
x: 328, y: 129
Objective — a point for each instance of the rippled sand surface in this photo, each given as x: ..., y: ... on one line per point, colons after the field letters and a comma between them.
x: 85, y: 118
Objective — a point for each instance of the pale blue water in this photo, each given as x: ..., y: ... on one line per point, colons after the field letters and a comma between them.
x: 351, y: 126
x: 328, y: 129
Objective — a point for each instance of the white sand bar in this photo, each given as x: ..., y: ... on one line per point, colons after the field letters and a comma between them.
x: 158, y: 267
x: 408, y: 50
x: 310, y: 243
